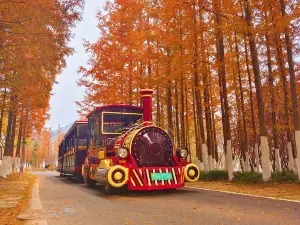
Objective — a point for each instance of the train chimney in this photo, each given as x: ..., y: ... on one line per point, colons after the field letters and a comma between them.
x: 147, y: 105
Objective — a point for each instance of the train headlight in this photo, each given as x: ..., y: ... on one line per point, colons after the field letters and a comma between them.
x: 183, y: 152
x: 122, y: 152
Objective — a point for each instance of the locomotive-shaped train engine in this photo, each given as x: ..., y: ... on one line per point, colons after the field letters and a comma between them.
x: 138, y: 157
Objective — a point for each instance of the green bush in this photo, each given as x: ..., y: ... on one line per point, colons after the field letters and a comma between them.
x: 284, y: 177
x: 214, y: 175
x: 248, y: 177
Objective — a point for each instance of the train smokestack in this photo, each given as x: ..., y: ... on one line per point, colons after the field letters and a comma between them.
x: 147, y: 105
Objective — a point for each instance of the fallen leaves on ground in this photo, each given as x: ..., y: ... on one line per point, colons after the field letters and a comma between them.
x: 15, y: 194
x: 283, y: 191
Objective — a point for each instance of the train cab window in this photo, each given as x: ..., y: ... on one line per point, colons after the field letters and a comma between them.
x: 112, y: 122
x: 95, y: 130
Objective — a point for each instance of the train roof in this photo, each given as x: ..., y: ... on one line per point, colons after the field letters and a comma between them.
x: 61, y: 142
x: 74, y: 124
x: 100, y: 108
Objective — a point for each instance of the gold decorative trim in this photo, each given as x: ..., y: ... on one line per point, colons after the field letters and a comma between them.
x: 168, y: 172
x: 148, y: 177
x: 132, y: 181
x: 137, y: 177
x: 174, y: 175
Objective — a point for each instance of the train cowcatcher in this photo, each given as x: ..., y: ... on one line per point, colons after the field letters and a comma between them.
x: 125, y: 151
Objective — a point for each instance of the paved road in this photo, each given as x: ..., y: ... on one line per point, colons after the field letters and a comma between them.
x: 66, y: 202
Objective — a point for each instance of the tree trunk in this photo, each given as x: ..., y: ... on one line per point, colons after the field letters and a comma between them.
x: 24, y: 139
x: 199, y: 109
x: 18, y: 151
x: 250, y: 91
x: 222, y: 111
x: 260, y: 102
x: 7, y: 149
x: 182, y: 120
x: 245, y: 139
x: 285, y: 91
x: 271, y: 90
x: 2, y: 112
x: 130, y: 89
x: 221, y: 62
x: 187, y: 118
x: 177, y: 115
x: 196, y: 127
x: 183, y: 141
x: 169, y: 111
x: 13, y: 133
x: 198, y: 100
x: 206, y: 98
x: 169, y: 98
x: 213, y: 126
x: 293, y: 87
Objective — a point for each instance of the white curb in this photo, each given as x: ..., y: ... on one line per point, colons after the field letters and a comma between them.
x: 36, y: 205
x: 236, y: 193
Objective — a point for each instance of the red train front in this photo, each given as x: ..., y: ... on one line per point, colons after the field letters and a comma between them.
x: 126, y: 151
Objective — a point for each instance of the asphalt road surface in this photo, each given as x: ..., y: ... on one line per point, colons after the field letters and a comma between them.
x: 67, y: 202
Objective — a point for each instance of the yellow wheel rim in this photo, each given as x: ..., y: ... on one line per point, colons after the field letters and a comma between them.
x: 191, y: 173
x: 117, y: 176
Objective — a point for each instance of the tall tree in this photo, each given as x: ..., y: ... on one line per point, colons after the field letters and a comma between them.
x: 261, y: 108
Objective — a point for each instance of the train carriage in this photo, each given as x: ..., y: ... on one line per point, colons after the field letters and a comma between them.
x: 73, y: 150
x: 126, y: 151
x: 60, y: 157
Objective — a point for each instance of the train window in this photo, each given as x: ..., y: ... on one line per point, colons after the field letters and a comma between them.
x: 82, y: 131
x: 113, y: 122
x: 95, y: 131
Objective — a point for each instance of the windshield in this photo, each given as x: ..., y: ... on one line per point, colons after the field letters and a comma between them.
x: 113, y: 122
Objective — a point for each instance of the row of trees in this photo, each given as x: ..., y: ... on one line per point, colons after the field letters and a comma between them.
x: 42, y: 149
x: 33, y: 39
x: 225, y: 75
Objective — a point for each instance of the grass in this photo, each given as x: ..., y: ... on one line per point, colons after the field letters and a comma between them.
x: 284, y: 185
x: 214, y: 175
x: 14, y: 197
x: 248, y: 177
x: 286, y: 176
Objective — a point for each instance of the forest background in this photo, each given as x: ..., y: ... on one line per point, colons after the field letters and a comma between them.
x: 225, y: 73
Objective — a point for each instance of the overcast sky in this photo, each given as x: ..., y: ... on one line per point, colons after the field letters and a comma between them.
x: 63, y: 107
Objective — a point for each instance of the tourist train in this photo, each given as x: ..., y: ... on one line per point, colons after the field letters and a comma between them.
x: 120, y: 148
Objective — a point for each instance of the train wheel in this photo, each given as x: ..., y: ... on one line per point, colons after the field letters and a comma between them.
x: 110, y: 190
x: 170, y: 190
x: 90, y: 183
x: 79, y: 178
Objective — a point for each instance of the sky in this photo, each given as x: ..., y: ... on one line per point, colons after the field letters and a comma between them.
x: 63, y: 107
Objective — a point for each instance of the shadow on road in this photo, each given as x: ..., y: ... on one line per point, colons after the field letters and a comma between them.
x: 100, y: 191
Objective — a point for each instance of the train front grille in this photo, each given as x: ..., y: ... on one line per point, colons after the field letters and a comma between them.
x: 156, y: 177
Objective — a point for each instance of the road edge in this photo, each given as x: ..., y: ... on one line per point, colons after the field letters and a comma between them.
x: 34, y: 214
x: 244, y: 194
